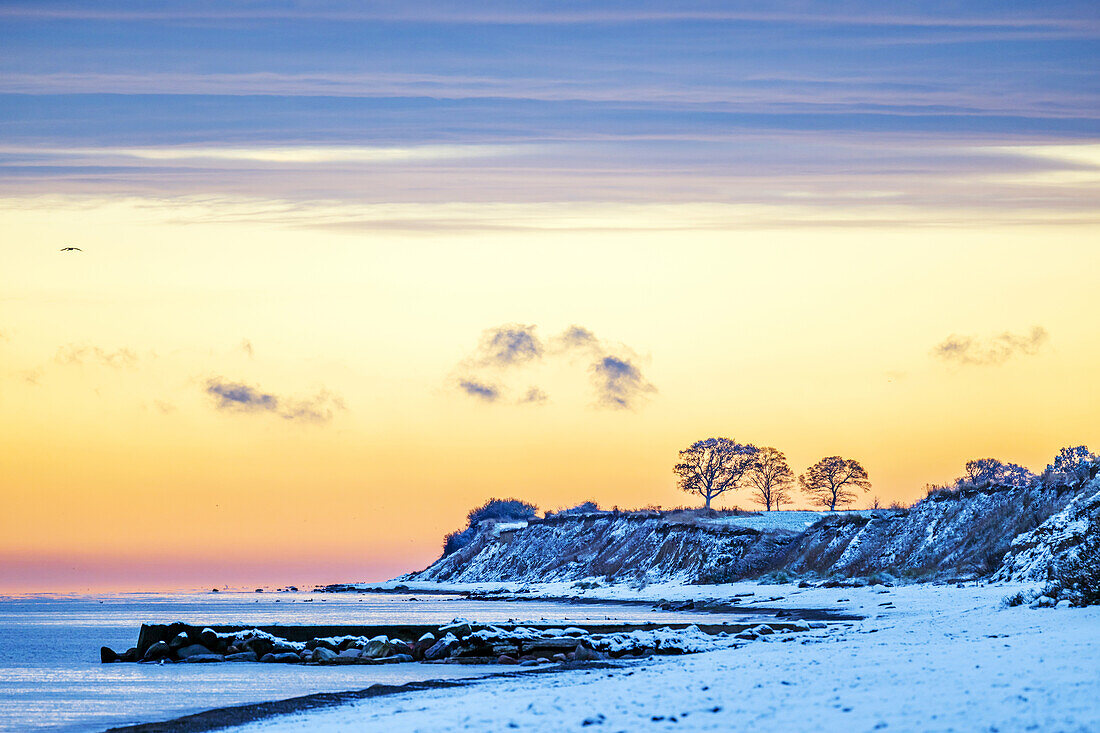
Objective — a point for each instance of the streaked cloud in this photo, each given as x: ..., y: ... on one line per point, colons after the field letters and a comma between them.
x: 534, y: 396
x: 509, y: 345
x: 77, y: 354
x: 239, y: 397
x: 479, y: 390
x: 991, y: 351
x: 619, y: 383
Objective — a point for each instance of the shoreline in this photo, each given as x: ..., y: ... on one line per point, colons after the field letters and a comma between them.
x: 236, y: 715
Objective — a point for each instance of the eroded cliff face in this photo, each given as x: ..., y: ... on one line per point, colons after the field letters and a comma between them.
x: 964, y: 533
x: 1036, y: 555
x: 617, y: 546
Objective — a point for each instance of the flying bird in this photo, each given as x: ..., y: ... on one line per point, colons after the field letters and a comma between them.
x: 70, y: 249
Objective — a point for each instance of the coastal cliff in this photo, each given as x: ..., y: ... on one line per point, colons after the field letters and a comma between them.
x: 1008, y: 532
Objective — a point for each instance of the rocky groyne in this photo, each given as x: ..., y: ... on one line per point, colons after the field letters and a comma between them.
x: 459, y: 642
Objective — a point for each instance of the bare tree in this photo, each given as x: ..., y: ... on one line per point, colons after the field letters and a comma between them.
x: 832, y: 481
x: 770, y: 478
x: 713, y: 466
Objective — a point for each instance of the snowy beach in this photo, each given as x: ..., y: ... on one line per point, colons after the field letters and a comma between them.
x: 926, y: 658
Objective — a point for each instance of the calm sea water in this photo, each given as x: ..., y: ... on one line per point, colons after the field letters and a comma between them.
x: 51, y: 677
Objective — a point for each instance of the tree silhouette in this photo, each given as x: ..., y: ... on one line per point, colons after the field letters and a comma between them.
x: 713, y: 466
x: 770, y: 478
x: 832, y: 481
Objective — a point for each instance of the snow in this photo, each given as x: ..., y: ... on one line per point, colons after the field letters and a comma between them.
x: 925, y: 658
x: 792, y: 521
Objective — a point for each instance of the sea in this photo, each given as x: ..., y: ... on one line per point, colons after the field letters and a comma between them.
x: 51, y: 678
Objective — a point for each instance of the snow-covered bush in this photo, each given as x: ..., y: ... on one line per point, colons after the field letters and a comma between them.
x: 1072, y: 466
x: 500, y: 510
x: 1077, y: 577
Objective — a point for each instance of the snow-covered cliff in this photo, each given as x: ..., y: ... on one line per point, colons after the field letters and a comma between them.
x: 966, y: 532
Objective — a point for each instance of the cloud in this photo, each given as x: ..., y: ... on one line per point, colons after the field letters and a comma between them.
x: 242, y: 398
x: 619, y: 383
x: 535, y: 396
x: 80, y: 355
x: 480, y: 390
x: 164, y: 407
x: 992, y: 351
x: 618, y: 380
x: 509, y: 345
x: 246, y: 347
x: 577, y: 337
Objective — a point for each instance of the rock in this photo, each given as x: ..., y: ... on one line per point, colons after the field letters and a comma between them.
x: 377, y: 648
x: 242, y: 657
x: 401, y: 647
x: 530, y: 663
x: 179, y: 640
x: 746, y: 635
x: 763, y: 629
x: 584, y: 654
x: 350, y: 654
x: 561, y: 658
x: 505, y: 659
x: 210, y: 638
x: 1064, y: 603
x: 429, y: 637
x: 441, y: 648
x: 156, y: 652
x: 396, y: 659
x: 204, y: 658
x: 281, y: 658
x: 259, y: 646
x: 459, y: 628
x: 805, y: 584
x: 192, y: 650
x: 107, y: 655
x: 574, y: 631
x: 130, y: 655
x: 1043, y: 602
x: 817, y: 625
x: 323, y: 654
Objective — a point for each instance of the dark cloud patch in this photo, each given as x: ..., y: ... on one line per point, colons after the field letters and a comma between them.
x: 577, y: 337
x: 993, y: 351
x: 480, y: 390
x: 509, y: 345
x: 80, y: 355
x: 619, y: 383
x: 534, y: 396
x: 242, y: 398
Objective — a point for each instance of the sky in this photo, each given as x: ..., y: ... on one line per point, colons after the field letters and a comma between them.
x: 349, y: 269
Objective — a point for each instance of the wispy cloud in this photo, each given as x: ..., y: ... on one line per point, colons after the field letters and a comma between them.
x: 243, y: 398
x: 991, y: 351
x: 619, y: 383
x: 534, y: 396
x: 246, y: 347
x: 508, y: 345
x: 76, y: 354
x: 480, y: 390
x: 616, y: 377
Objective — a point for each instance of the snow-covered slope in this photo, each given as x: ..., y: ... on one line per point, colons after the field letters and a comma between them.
x: 950, y: 533
x: 616, y: 545
x: 1035, y: 554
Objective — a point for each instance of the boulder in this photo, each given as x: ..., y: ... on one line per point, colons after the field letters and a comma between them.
x: 763, y: 629
x: 460, y: 628
x: 107, y: 655
x: 399, y: 659
x: 505, y: 659
x: 156, y: 652
x: 530, y: 663
x: 130, y: 655
x: 401, y: 647
x: 192, y: 650
x: 242, y: 657
x: 204, y: 658
x: 179, y: 641
x: 377, y: 648
x: 281, y: 658
x: 584, y: 654
x: 323, y: 654
x: 210, y: 639
x: 349, y: 656
x: 441, y: 648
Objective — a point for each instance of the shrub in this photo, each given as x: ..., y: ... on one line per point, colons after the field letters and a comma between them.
x: 1020, y: 598
x: 1078, y: 576
x: 777, y: 577
x: 501, y: 510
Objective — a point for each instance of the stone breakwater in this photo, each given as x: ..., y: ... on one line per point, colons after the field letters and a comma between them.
x: 459, y: 642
